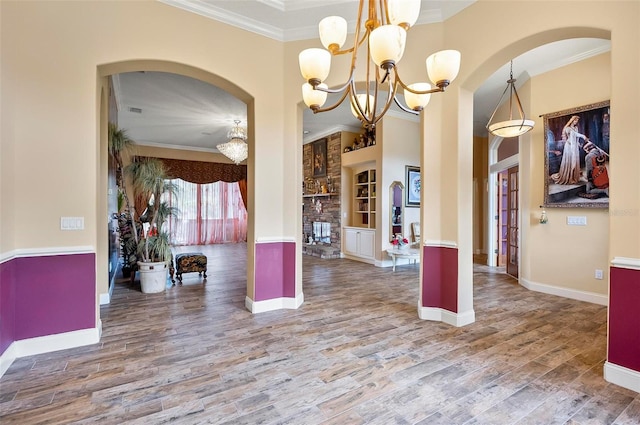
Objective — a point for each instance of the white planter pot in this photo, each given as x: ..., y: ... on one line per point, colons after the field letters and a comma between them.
x: 153, y: 277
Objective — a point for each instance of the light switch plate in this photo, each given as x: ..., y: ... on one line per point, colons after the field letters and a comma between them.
x: 576, y: 220
x: 71, y: 223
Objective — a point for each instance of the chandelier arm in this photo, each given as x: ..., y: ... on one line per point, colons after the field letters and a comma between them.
x: 437, y: 89
x: 384, y: 12
x: 334, y: 106
x: 353, y: 48
x: 354, y: 53
x: 356, y: 103
x: 404, y: 108
x: 387, y: 105
x: 496, y: 108
x: 356, y: 37
x: 390, y: 93
x: 333, y: 91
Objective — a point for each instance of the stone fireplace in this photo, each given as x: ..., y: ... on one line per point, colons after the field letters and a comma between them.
x: 321, y: 232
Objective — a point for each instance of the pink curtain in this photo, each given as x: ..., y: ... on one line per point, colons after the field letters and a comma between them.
x: 209, y: 214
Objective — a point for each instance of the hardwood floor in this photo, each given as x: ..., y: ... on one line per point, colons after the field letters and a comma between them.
x: 354, y: 353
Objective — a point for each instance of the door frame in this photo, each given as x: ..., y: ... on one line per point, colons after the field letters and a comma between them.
x: 495, y: 167
x: 515, y: 170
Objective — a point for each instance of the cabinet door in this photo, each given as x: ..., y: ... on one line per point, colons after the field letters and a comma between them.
x: 367, y: 244
x: 351, y: 241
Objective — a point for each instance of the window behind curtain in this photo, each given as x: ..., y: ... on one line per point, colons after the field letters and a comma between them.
x: 208, y: 214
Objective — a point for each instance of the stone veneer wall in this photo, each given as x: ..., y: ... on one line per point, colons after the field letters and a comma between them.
x: 330, y: 204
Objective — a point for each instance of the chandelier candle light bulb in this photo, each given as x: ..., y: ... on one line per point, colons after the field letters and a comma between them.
x: 417, y: 102
x: 315, y: 65
x: 333, y: 32
x: 403, y: 13
x: 384, y: 26
x: 387, y: 45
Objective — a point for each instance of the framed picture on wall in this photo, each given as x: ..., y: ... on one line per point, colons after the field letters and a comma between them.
x: 319, y: 158
x: 576, y: 155
x: 413, y: 185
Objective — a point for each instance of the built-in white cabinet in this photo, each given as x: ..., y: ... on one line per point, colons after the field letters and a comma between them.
x: 359, y: 242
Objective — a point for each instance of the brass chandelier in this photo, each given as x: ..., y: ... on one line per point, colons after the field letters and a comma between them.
x: 385, y: 31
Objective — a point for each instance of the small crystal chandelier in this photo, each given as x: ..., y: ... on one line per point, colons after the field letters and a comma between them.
x: 510, y: 128
x: 236, y: 148
x: 385, y: 31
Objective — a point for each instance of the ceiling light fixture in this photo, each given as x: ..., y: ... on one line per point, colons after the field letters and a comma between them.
x: 236, y: 148
x: 385, y: 32
x: 510, y: 128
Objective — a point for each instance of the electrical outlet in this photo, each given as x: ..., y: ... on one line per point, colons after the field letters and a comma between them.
x: 599, y: 274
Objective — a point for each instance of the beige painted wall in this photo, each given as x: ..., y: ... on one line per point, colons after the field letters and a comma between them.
x: 7, y: 163
x: 56, y: 62
x: 52, y: 73
x: 480, y: 193
x: 400, y: 147
x: 558, y: 254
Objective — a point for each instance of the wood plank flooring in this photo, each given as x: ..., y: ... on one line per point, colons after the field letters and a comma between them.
x: 354, y: 353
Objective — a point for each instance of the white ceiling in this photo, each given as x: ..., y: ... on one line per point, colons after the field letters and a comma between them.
x: 180, y: 112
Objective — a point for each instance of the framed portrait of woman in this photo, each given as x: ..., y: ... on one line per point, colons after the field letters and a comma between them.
x: 319, y: 158
x: 576, y: 155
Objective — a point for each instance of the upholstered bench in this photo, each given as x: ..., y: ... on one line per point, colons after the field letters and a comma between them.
x: 191, y: 262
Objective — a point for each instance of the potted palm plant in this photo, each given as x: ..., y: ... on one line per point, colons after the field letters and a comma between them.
x: 120, y: 145
x: 145, y: 246
x: 149, y: 181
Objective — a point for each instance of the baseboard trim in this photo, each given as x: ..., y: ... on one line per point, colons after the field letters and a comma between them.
x: 49, y: 343
x: 361, y: 259
x: 622, y: 376
x: 273, y: 304
x: 106, y: 298
x: 574, y: 294
x: 441, y: 315
x: 7, y: 358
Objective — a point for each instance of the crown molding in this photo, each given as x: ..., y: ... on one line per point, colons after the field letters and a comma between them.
x: 202, y: 8
x: 178, y: 147
x: 312, y: 137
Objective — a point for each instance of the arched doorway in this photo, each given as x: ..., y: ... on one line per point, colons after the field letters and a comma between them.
x: 454, y: 293
x: 107, y: 70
